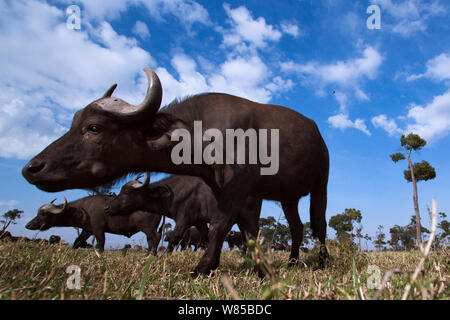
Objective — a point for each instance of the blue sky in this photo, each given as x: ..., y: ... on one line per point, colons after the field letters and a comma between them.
x: 364, y: 88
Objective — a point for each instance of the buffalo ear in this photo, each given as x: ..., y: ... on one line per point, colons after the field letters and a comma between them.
x: 160, y: 192
x: 163, y: 126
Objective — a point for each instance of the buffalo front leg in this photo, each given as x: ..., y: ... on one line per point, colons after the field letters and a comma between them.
x: 249, y: 230
x: 100, y: 237
x: 153, y: 239
x: 203, y: 228
x: 81, y: 239
x: 219, y: 228
x: 177, y: 236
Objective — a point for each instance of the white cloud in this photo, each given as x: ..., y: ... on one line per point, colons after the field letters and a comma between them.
x: 389, y: 125
x: 341, y: 121
x: 343, y: 73
x: 245, y: 77
x: 244, y: 28
x: 100, y: 9
x: 141, y: 30
x: 438, y: 69
x: 187, y: 12
x: 279, y: 84
x: 9, y: 203
x: 48, y: 71
x: 25, y: 131
x: 345, y: 79
x: 290, y: 29
x: 409, y: 16
x: 249, y: 33
x: 432, y: 120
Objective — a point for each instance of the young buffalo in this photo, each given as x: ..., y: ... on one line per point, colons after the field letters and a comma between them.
x: 88, y: 214
x: 192, y: 237
x: 187, y: 200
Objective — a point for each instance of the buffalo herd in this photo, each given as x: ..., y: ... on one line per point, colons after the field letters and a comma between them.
x: 110, y: 139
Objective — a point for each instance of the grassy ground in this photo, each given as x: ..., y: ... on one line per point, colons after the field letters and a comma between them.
x: 38, y: 271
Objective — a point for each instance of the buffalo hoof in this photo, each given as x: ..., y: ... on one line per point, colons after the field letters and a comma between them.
x: 293, y: 262
x: 323, y: 257
x: 259, y: 272
x: 203, y: 269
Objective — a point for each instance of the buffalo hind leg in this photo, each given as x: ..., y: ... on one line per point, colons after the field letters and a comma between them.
x: 318, y: 206
x: 290, y: 209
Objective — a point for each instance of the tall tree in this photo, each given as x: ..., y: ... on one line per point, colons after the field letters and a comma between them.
x: 267, y: 228
x: 282, y: 234
x: 343, y: 224
x: 443, y: 237
x: 379, y: 240
x: 307, y: 234
x: 10, y: 217
x: 404, y: 238
x: 416, y: 172
x: 396, y: 236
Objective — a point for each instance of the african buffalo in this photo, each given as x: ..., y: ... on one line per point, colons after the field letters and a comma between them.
x: 191, y: 237
x: 54, y: 239
x: 187, y: 200
x: 111, y: 138
x: 234, y: 238
x: 88, y: 214
x: 279, y: 247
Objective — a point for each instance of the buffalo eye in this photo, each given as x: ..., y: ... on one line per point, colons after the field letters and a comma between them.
x: 94, y: 128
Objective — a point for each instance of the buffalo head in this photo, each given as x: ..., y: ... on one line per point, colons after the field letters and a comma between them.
x: 47, y: 216
x: 136, y: 195
x: 105, y: 139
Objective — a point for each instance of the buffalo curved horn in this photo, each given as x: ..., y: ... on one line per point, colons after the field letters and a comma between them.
x: 145, y: 183
x: 142, y: 111
x: 110, y: 91
x: 55, y: 210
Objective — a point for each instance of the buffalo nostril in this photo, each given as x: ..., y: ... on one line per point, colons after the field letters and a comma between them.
x: 107, y: 208
x: 34, y: 166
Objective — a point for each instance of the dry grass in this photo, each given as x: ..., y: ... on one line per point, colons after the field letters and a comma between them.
x: 37, y: 271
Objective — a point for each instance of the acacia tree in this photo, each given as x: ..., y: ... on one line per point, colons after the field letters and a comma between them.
x: 10, y: 217
x: 404, y: 238
x: 421, y: 171
x: 307, y: 234
x: 267, y: 228
x: 343, y: 224
x: 379, y: 240
x: 443, y: 237
x: 282, y: 234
